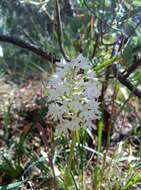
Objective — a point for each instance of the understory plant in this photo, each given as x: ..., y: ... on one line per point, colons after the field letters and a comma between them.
x: 74, y: 107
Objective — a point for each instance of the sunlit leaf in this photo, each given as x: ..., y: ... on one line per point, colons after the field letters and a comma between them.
x: 137, y: 2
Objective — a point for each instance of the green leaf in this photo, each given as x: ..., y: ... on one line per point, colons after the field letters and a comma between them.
x: 97, y: 176
x: 133, y: 180
x: 132, y: 48
x: 137, y: 2
x: 137, y: 75
x: 100, y: 129
x: 67, y: 178
x: 11, y: 170
x: 12, y: 185
x: 100, y: 67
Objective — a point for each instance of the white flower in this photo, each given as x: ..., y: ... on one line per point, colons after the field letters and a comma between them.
x: 80, y: 62
x: 92, y: 90
x: 76, y: 104
x: 56, y: 111
x: 73, y: 92
x: 73, y: 124
x: 89, y: 124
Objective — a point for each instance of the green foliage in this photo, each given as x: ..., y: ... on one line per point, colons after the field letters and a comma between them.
x: 132, y: 49
x: 132, y: 180
x: 13, y: 185
x: 8, y: 168
x: 102, y: 66
x: 137, y: 2
x: 97, y: 175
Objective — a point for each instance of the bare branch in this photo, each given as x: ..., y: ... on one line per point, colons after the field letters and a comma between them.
x: 28, y: 46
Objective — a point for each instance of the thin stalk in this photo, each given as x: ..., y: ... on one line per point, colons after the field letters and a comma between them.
x: 68, y: 171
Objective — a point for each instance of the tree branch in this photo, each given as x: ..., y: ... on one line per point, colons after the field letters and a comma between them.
x: 28, y: 46
x: 132, y: 68
x: 125, y: 81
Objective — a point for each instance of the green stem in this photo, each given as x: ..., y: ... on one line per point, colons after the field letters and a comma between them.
x: 71, y: 156
x: 68, y: 171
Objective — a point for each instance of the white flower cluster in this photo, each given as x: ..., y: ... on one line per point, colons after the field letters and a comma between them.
x: 73, y: 95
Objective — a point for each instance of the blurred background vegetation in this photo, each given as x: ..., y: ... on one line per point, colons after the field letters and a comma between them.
x: 94, y: 27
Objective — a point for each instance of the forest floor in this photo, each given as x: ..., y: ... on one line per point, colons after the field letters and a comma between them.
x: 23, y: 156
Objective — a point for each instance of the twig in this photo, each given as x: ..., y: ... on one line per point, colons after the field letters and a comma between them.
x: 60, y: 32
